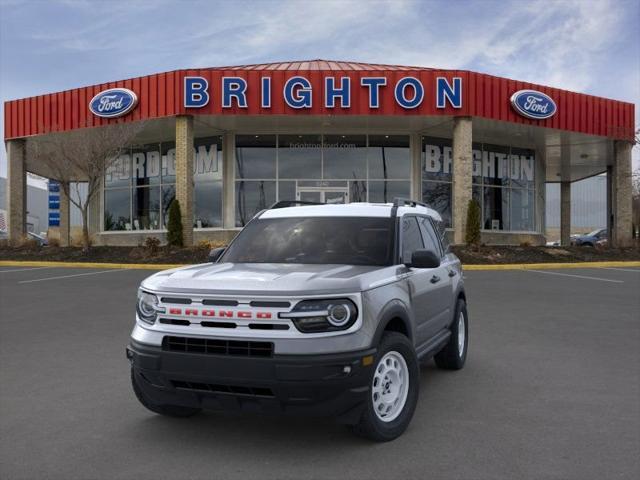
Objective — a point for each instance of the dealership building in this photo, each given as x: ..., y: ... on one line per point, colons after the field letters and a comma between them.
x: 228, y: 142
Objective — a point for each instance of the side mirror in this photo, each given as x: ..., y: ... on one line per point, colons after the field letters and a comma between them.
x: 424, y: 259
x: 215, y: 254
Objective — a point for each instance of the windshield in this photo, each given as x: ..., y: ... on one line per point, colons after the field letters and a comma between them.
x: 317, y: 240
x: 594, y: 233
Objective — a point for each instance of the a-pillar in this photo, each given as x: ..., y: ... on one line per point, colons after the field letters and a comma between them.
x: 16, y: 191
x: 184, y: 174
x: 462, y: 175
x: 621, y: 193
x: 565, y: 213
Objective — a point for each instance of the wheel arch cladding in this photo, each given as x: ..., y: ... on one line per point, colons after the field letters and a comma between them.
x: 394, y: 318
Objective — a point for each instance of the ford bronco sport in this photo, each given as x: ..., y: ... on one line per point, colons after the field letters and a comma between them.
x: 312, y: 309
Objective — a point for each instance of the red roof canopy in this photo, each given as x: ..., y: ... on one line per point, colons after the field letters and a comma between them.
x: 161, y: 95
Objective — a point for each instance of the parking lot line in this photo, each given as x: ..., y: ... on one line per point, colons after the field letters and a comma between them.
x: 636, y: 270
x: 577, y: 276
x: 23, y: 269
x: 68, y: 276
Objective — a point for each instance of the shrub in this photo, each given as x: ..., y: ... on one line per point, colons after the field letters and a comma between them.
x: 152, y: 244
x: 174, y: 226
x: 54, y: 242
x: 472, y: 235
x: 525, y: 244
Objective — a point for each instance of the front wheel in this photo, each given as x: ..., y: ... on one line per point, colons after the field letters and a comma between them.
x: 454, y: 353
x: 394, y: 390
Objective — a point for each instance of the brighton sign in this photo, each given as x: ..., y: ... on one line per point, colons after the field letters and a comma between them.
x: 408, y: 92
x: 533, y: 104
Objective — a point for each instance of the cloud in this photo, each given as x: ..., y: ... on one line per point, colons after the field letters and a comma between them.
x: 589, y: 46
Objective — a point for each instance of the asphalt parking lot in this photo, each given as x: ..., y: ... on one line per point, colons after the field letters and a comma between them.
x: 551, y: 389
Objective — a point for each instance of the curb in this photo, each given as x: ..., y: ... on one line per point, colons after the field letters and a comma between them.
x: 165, y: 266
x: 550, y: 266
x: 129, y: 266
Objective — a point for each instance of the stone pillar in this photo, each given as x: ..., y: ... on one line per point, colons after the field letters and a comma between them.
x: 621, y: 184
x: 610, y: 203
x: 228, y: 180
x: 565, y: 213
x: 65, y: 216
x: 462, y: 175
x: 415, y: 147
x: 16, y: 191
x: 184, y: 174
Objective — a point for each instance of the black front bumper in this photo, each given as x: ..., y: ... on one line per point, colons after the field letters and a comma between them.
x: 316, y: 385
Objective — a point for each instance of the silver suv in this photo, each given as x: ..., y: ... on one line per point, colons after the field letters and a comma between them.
x: 312, y: 309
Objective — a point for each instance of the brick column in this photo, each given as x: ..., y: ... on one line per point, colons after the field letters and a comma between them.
x: 462, y: 175
x: 184, y: 174
x: 565, y: 213
x: 621, y: 185
x: 65, y: 219
x: 16, y: 191
x: 228, y: 181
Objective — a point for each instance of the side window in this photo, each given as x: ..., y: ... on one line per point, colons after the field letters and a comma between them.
x: 411, y: 238
x: 442, y: 234
x: 430, y: 238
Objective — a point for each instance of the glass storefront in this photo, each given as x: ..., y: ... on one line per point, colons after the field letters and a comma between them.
x: 140, y: 186
x: 503, y: 183
x: 320, y: 168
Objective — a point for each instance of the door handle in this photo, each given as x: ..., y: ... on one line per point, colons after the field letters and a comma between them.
x: 452, y: 273
x: 435, y: 279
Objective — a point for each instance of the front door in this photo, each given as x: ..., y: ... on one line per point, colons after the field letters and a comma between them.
x: 323, y: 194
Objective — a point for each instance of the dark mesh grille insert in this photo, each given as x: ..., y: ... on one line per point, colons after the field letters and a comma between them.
x: 210, y: 387
x: 223, y: 303
x: 218, y: 347
x: 267, y: 304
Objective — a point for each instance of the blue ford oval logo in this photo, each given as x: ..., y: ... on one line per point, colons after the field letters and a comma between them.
x: 533, y: 104
x: 114, y: 102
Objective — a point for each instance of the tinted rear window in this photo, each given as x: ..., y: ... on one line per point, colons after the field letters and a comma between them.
x: 314, y: 240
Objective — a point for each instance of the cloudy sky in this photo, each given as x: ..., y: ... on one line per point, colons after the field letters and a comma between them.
x: 582, y: 45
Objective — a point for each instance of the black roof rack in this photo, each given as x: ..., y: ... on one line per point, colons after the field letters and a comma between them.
x: 292, y: 203
x: 403, y: 202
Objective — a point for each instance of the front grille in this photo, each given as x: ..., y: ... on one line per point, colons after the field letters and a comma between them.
x: 218, y: 347
x: 215, y: 388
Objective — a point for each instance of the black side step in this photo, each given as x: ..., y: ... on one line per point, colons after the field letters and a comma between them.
x: 434, y: 345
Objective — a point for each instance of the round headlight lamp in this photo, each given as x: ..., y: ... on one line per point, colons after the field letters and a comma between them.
x: 147, y: 307
x: 323, y: 315
x: 338, y: 314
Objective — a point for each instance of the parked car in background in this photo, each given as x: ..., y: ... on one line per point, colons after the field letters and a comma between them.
x: 41, y: 239
x: 590, y: 239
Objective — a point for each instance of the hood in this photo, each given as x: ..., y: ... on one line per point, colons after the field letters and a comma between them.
x: 268, y: 278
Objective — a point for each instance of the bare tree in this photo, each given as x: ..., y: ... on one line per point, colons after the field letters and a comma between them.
x: 82, y: 156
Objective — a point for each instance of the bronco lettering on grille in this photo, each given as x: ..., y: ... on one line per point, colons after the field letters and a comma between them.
x: 209, y: 312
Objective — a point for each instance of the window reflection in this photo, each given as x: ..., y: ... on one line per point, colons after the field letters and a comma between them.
x: 256, y: 156
x: 389, y: 156
x: 251, y: 197
x: 300, y: 156
x: 345, y: 156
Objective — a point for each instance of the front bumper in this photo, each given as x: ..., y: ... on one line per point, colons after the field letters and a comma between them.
x: 315, y: 385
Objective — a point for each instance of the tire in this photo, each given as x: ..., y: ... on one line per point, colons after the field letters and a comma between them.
x: 451, y: 357
x: 167, y: 410
x: 395, y: 354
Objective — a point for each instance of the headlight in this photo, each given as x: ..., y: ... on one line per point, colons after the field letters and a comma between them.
x: 310, y: 316
x: 147, y: 307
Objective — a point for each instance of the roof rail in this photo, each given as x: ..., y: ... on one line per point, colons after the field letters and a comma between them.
x: 292, y: 203
x: 402, y: 202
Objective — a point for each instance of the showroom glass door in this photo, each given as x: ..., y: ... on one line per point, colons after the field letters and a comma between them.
x: 323, y: 194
